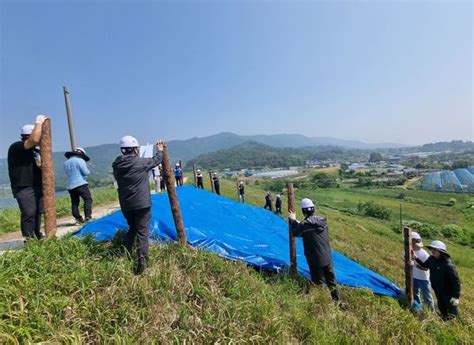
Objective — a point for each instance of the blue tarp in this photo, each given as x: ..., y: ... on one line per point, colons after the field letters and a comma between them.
x: 237, y: 232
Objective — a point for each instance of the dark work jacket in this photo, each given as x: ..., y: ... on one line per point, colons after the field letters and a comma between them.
x: 241, y: 190
x: 216, y: 181
x: 315, y: 233
x: 131, y: 174
x: 278, y: 202
x: 443, y: 276
x: 268, y: 199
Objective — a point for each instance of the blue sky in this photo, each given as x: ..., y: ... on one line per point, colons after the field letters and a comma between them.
x: 375, y: 71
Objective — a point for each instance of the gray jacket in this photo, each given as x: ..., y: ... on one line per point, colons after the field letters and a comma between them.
x: 315, y: 233
x: 131, y: 174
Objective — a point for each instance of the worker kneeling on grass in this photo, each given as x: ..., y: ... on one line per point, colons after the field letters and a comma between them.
x: 131, y: 173
x: 444, y: 279
x: 317, y: 250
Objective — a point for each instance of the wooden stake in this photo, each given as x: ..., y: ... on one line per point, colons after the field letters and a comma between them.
x: 173, y: 197
x: 195, y: 175
x: 237, y: 185
x: 49, y: 190
x: 408, y: 267
x: 292, y: 240
x: 212, y: 182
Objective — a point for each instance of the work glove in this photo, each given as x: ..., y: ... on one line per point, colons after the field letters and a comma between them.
x: 292, y: 215
x: 40, y: 119
x: 454, y: 301
x: 160, y: 145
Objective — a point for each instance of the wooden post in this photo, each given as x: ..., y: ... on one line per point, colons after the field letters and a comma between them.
x: 173, y: 197
x: 195, y: 176
x: 212, y: 182
x: 49, y: 190
x: 292, y: 240
x: 237, y: 185
x: 408, y: 267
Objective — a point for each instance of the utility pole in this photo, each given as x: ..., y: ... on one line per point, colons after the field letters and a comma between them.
x: 49, y: 190
x: 173, y: 197
x: 70, y: 124
x: 292, y: 240
x: 408, y: 266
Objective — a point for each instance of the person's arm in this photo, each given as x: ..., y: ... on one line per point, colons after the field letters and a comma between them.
x: 150, y: 163
x: 83, y: 167
x: 35, y: 135
x: 425, y: 264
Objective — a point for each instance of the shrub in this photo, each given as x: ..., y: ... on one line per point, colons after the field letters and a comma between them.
x: 323, y: 180
x: 371, y: 209
x: 452, y: 231
x: 425, y: 230
x: 401, y: 195
x: 452, y: 201
x: 364, y: 181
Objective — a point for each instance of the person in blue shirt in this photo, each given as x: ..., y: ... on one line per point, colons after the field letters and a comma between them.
x: 178, y: 174
x: 76, y: 171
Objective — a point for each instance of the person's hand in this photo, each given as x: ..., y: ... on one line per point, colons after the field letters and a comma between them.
x: 160, y: 145
x: 292, y: 215
x: 40, y: 119
x: 413, y: 254
x: 454, y: 301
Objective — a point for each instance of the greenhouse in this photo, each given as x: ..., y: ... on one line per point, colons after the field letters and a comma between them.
x: 458, y: 181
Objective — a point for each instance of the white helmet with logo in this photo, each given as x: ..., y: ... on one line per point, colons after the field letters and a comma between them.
x: 128, y: 142
x: 306, y: 203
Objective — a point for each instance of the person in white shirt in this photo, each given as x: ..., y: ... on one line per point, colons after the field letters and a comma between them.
x: 421, y: 276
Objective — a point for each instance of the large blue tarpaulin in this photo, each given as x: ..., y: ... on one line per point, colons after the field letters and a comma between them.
x: 236, y: 231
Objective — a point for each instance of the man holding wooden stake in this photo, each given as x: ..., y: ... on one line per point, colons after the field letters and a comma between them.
x: 24, y: 168
x: 131, y: 173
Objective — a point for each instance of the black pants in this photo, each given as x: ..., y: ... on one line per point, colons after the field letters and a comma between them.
x: 217, y: 188
x: 84, y: 193
x: 162, y: 184
x: 448, y: 311
x: 30, y: 201
x: 268, y: 206
x: 138, y: 224
x: 179, y: 180
x: 325, y: 274
x: 200, y: 184
x: 278, y: 209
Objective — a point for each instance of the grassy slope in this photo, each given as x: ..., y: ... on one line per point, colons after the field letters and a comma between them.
x: 10, y: 216
x: 79, y: 291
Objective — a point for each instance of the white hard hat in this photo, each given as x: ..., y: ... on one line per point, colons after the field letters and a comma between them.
x: 438, y: 245
x: 415, y: 235
x: 306, y: 203
x: 129, y: 141
x: 81, y: 149
x: 27, y: 129
x: 199, y: 170
x: 177, y: 164
x: 241, y: 182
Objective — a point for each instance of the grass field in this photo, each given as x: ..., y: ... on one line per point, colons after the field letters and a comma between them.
x: 81, y: 291
x: 10, y: 216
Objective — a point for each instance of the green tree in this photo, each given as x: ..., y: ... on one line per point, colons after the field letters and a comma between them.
x: 375, y: 157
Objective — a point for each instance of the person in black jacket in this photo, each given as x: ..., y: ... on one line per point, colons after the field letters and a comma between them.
x: 278, y: 203
x: 131, y: 173
x: 217, y: 183
x: 268, y: 201
x: 200, y: 182
x: 444, y: 279
x: 317, y: 250
x: 241, y: 192
x: 24, y: 169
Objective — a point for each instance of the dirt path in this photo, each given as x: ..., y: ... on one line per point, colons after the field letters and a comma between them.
x: 14, y: 240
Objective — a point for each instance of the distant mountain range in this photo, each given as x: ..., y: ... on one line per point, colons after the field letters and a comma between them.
x: 102, y: 156
x: 190, y: 148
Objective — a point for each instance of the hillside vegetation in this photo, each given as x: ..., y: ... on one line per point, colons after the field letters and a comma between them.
x: 82, y: 291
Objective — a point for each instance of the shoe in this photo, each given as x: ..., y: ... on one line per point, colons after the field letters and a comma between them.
x: 79, y: 221
x: 141, y: 266
x: 88, y: 219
